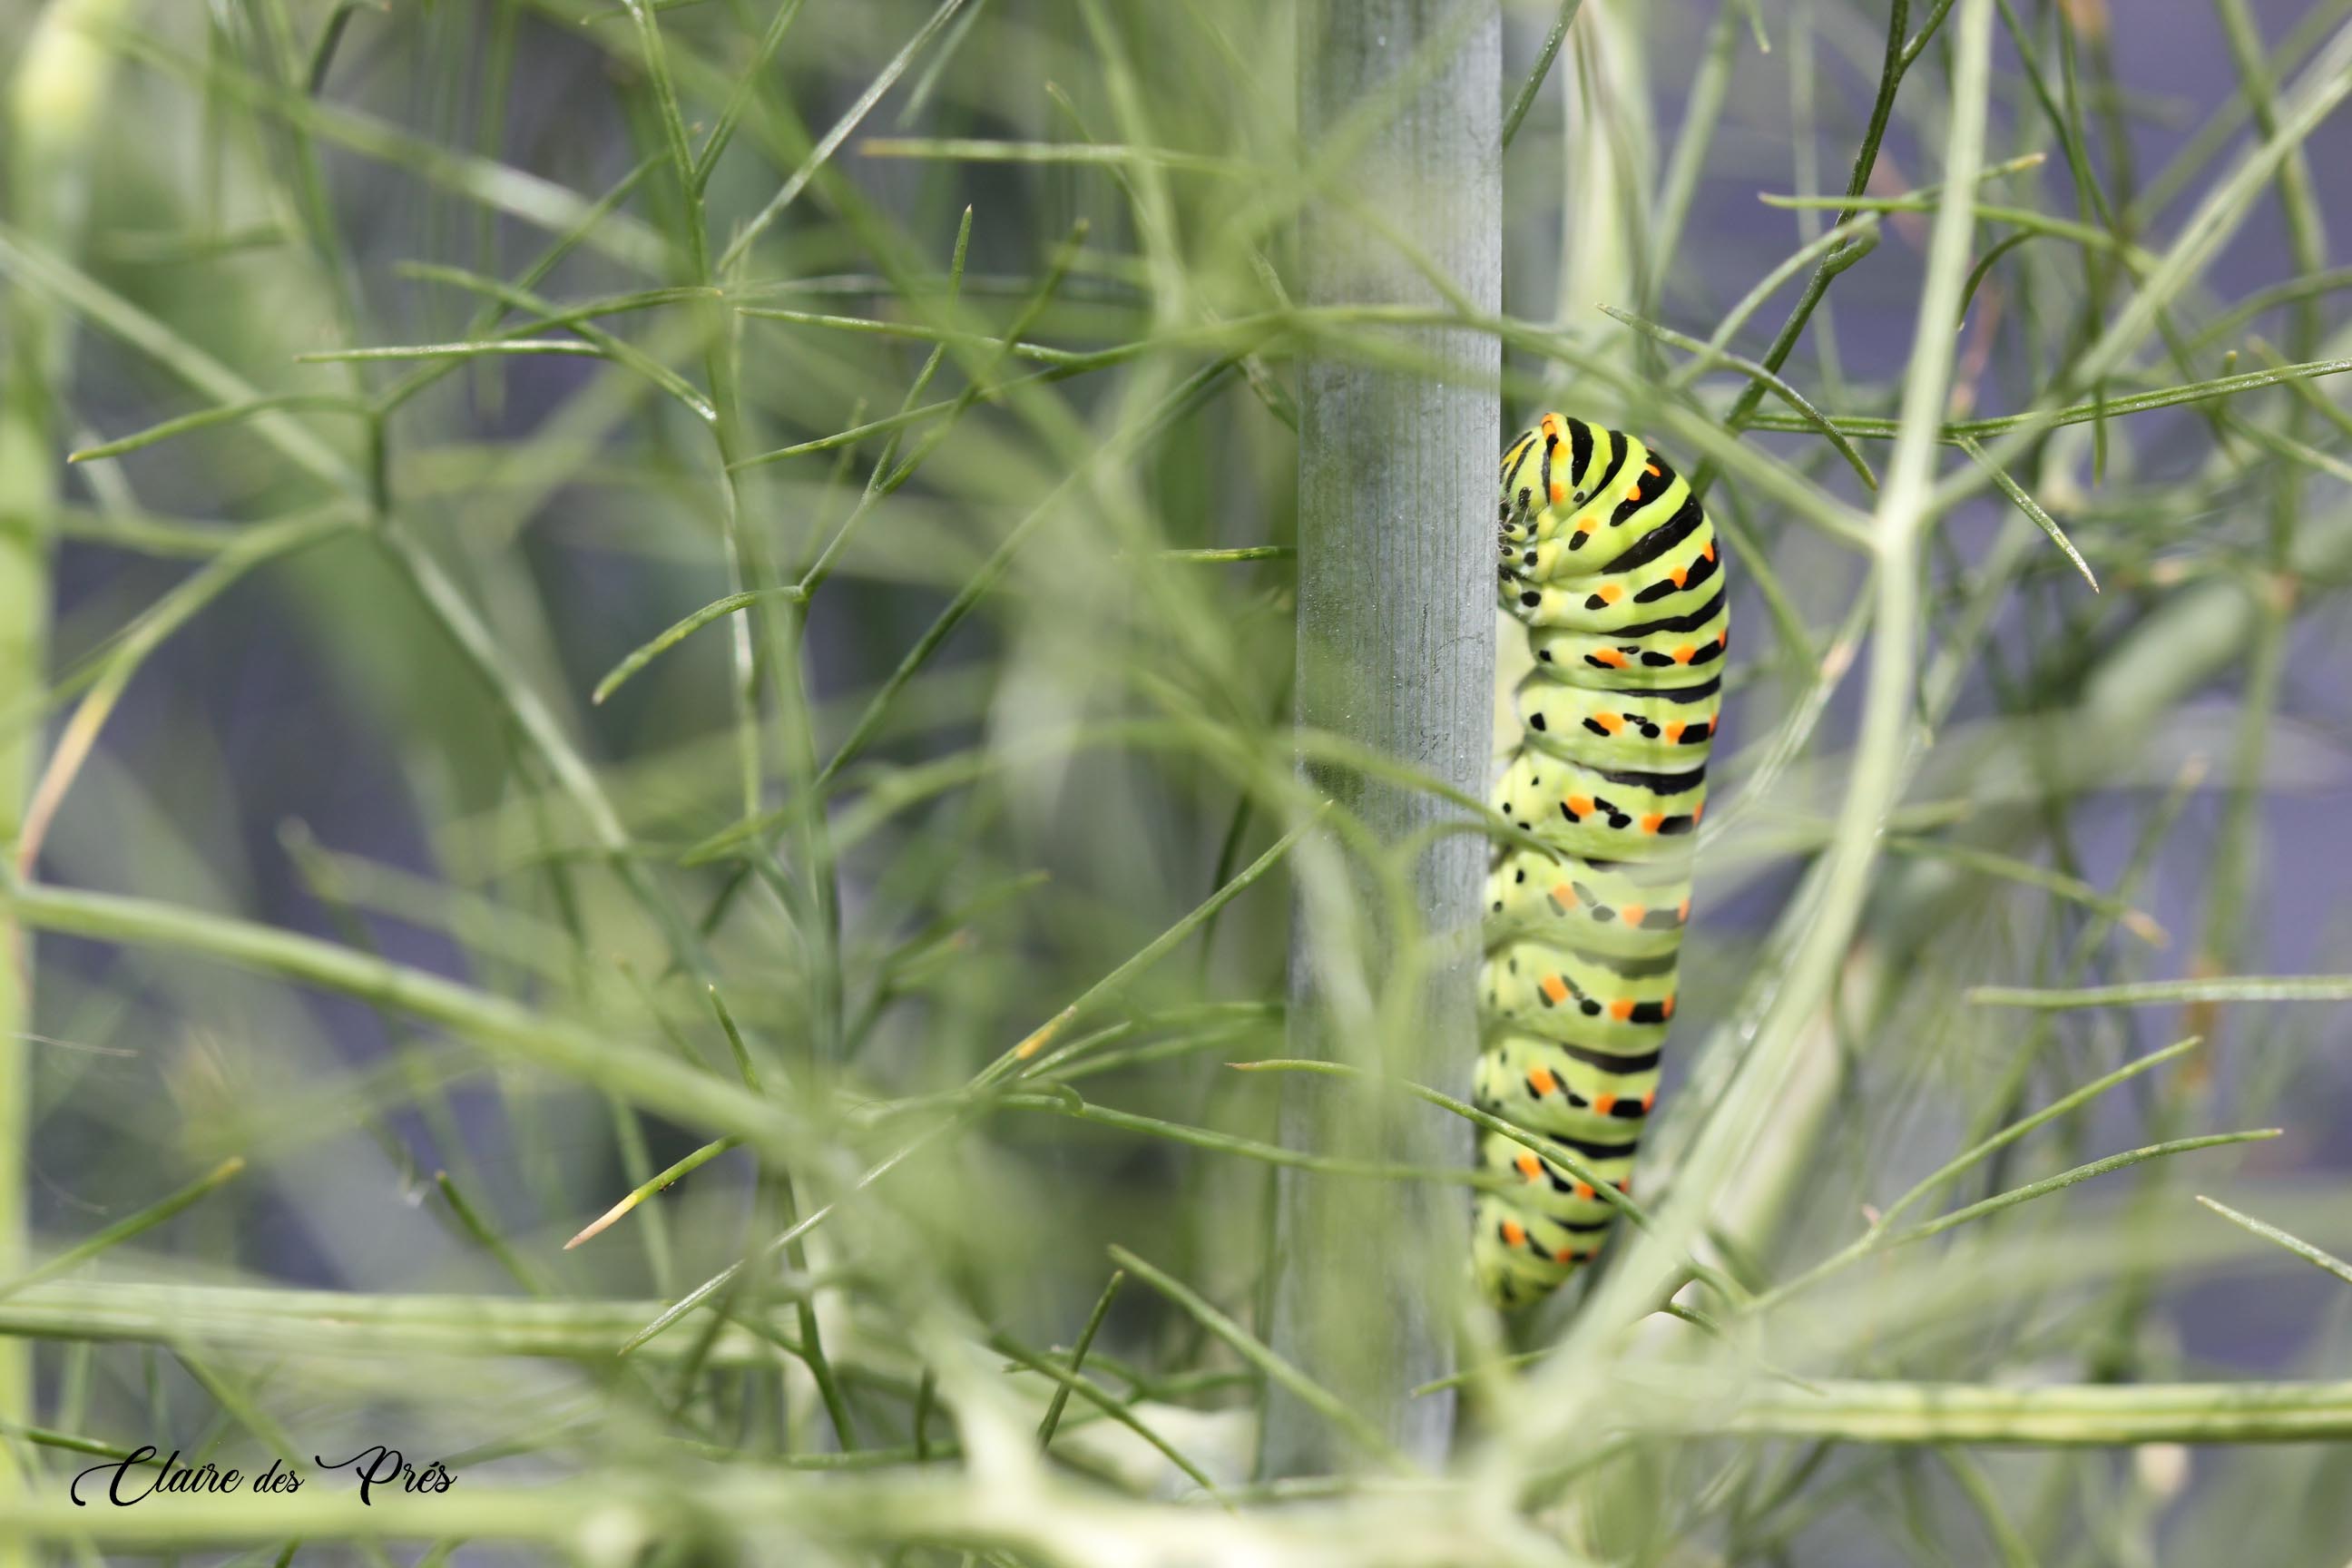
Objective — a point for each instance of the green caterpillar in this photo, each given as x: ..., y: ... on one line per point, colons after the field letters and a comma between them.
x: 1609, y: 561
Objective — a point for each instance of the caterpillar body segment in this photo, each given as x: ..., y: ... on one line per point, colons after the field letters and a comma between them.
x: 1653, y: 656
x: 1610, y: 729
x: 1609, y: 562
x: 1589, y: 809
x: 1586, y: 907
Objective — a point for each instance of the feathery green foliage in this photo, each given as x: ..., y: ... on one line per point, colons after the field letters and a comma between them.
x: 393, y: 394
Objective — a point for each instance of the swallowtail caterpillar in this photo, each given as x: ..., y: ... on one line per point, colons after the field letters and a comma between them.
x: 1609, y: 562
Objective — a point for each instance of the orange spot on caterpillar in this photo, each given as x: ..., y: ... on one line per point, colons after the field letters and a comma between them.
x: 1588, y: 525
x: 1610, y: 657
x: 1608, y: 592
x: 1653, y: 470
x: 1666, y: 1008
x: 1650, y: 823
x: 1634, y: 493
x: 1682, y: 910
x: 1584, y: 1191
x: 1565, y: 1256
x: 1697, y: 812
x: 1555, y: 987
x: 1565, y: 894
x: 1723, y: 637
x: 1612, y: 722
x: 1580, y: 805
x: 1674, y: 732
x: 1603, y: 1104
x: 1678, y: 576
x: 1529, y: 1166
x: 1621, y: 1009
x: 1542, y: 1082
x: 1709, y: 551
x: 1558, y: 493
x: 1648, y: 1101
x: 1632, y: 913
x: 1550, y: 424
x: 1513, y: 1232
x: 1683, y: 654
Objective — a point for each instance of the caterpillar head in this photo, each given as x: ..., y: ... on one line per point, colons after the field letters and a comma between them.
x: 1522, y: 461
x: 1536, y: 471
